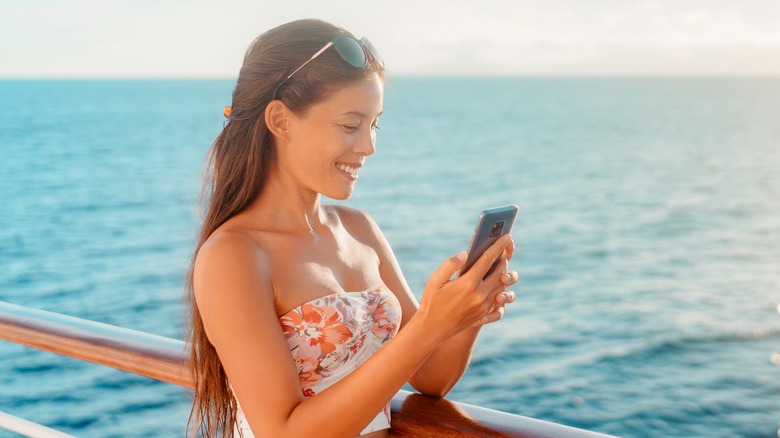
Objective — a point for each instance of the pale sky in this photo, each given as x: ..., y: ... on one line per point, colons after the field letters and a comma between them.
x: 198, y: 38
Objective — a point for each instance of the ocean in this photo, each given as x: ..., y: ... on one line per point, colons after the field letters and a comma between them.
x: 648, y: 240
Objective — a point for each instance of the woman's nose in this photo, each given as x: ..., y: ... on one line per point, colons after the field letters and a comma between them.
x: 366, y: 144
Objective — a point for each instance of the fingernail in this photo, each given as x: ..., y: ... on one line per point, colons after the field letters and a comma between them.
x: 508, y: 276
x: 461, y: 256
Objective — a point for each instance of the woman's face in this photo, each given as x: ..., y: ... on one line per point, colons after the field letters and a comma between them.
x: 330, y: 142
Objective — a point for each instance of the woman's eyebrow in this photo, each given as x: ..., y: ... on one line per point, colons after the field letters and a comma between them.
x: 359, y: 114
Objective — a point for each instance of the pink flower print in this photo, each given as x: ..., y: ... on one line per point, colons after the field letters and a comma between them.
x: 308, y: 369
x: 385, y: 321
x: 357, y: 345
x: 321, y: 326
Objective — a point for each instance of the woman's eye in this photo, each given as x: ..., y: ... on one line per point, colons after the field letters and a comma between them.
x: 355, y: 128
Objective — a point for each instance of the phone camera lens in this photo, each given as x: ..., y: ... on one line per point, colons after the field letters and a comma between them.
x: 497, y: 228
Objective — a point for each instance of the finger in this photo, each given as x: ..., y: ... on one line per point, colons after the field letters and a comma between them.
x: 505, y: 297
x: 490, y: 255
x: 496, y: 314
x: 493, y: 316
x: 444, y: 272
x: 492, y: 285
x: 496, y: 275
x: 500, y: 265
x: 509, y: 278
x: 510, y: 250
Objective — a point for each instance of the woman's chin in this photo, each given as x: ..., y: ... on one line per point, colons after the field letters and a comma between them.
x: 339, y: 195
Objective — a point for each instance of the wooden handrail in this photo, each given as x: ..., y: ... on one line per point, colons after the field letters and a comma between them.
x: 161, y: 358
x: 137, y: 352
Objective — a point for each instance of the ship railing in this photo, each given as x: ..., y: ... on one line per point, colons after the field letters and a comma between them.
x: 164, y: 359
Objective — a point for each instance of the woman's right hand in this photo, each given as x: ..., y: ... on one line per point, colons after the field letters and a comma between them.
x: 450, y: 306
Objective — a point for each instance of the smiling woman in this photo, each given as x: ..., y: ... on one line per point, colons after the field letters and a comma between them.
x: 302, y: 322
x: 334, y: 138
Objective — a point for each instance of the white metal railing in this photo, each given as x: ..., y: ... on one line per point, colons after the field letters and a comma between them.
x: 28, y: 428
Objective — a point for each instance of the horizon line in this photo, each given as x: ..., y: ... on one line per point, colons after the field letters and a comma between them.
x: 714, y: 75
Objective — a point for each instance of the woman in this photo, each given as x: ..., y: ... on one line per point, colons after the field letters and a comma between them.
x: 291, y: 299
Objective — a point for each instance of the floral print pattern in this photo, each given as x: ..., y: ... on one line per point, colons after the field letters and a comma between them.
x: 331, y: 336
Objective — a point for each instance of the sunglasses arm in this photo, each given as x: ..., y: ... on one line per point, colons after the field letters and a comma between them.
x: 319, y: 52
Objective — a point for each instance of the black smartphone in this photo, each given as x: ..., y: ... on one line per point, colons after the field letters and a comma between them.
x: 491, y: 225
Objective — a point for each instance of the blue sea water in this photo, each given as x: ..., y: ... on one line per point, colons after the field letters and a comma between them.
x: 648, y: 242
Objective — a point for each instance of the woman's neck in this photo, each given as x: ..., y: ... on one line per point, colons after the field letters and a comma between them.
x: 285, y: 206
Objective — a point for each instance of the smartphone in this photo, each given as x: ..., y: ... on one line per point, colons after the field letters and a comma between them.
x: 491, y: 225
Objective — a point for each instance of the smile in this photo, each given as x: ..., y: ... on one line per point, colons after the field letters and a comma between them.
x: 352, y: 171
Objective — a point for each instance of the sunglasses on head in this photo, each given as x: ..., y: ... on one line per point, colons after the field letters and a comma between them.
x: 352, y: 50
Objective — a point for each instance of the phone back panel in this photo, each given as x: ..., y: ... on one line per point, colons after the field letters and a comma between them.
x: 491, y: 225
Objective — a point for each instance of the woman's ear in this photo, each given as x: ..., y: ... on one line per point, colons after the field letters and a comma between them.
x: 276, y: 119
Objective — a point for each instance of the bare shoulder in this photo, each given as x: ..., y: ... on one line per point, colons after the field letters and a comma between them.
x: 230, y: 243
x: 357, y: 222
x: 230, y: 256
x: 365, y: 229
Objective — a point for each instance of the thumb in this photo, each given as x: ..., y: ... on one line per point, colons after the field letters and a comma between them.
x: 444, y: 272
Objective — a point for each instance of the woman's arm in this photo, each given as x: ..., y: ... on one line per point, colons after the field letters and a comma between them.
x: 236, y: 301
x: 447, y: 363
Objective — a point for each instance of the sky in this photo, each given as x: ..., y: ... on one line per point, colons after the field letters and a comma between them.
x: 197, y: 38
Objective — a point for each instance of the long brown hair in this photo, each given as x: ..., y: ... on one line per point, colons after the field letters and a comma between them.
x: 238, y: 165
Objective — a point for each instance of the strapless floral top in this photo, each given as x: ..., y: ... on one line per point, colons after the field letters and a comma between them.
x: 330, y: 336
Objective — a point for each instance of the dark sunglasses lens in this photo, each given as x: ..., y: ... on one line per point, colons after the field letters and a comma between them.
x: 350, y: 50
x: 373, y: 51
